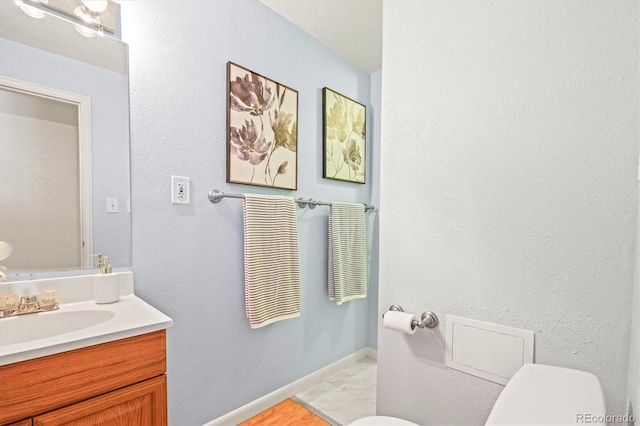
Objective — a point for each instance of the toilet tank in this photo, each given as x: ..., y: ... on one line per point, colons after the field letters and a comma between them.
x: 540, y: 394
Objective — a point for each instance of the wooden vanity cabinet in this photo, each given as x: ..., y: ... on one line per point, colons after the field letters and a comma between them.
x: 140, y: 404
x: 25, y: 422
x: 120, y: 382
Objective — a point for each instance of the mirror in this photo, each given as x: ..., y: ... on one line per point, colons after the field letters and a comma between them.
x: 53, y: 78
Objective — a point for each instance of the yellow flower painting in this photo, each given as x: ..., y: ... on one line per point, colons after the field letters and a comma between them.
x: 344, y: 137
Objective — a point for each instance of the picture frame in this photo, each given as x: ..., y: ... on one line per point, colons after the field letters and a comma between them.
x: 262, y: 130
x: 344, y: 137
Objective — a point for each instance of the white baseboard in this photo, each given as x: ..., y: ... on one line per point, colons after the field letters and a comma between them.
x: 371, y: 353
x: 259, y: 405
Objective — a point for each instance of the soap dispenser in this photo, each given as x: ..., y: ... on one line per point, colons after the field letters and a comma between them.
x: 106, y: 284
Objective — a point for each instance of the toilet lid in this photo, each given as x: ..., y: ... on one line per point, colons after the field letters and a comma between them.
x: 547, y: 395
x: 381, y: 421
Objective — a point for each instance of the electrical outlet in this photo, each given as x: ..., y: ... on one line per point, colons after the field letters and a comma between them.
x: 180, y: 190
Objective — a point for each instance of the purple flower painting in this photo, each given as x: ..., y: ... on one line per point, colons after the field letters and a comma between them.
x: 344, y: 137
x: 262, y: 122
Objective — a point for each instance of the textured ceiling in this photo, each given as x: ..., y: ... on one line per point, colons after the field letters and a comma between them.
x: 353, y: 28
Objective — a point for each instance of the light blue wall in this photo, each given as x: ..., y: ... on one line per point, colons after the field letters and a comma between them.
x: 187, y: 260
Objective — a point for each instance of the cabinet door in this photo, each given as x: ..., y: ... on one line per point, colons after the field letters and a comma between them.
x: 25, y: 422
x: 140, y: 404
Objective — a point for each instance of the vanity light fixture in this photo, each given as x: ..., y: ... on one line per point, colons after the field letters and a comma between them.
x: 30, y: 10
x: 84, y: 14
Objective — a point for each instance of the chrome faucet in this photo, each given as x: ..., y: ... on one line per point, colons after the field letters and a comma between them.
x: 11, y: 305
x: 29, y: 304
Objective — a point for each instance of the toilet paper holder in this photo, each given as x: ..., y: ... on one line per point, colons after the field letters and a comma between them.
x: 428, y: 318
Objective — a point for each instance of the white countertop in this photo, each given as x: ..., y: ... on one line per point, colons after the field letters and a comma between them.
x: 131, y: 316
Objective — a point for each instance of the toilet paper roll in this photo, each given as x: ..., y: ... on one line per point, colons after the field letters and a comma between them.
x: 400, y: 321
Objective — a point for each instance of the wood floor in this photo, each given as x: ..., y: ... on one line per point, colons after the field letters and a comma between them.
x: 287, y: 413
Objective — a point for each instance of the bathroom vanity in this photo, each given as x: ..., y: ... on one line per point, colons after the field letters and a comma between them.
x: 121, y: 380
x: 84, y: 363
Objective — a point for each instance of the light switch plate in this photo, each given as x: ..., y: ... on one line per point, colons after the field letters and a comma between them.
x: 180, y: 190
x: 112, y: 205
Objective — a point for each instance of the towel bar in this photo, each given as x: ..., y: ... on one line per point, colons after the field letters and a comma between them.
x: 215, y: 196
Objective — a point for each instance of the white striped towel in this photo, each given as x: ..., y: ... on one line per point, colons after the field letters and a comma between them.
x: 271, y: 260
x: 347, y: 252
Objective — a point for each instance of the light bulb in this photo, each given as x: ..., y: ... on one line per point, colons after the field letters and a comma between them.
x: 87, y: 32
x: 5, y: 250
x: 91, y: 19
x: 96, y: 6
x: 32, y: 11
x: 86, y: 16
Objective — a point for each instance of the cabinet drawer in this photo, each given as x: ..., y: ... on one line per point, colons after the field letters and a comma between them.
x: 142, y: 404
x: 25, y: 422
x: 43, y: 384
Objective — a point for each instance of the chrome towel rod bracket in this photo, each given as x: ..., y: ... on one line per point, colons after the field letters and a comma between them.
x: 311, y: 203
x: 216, y: 196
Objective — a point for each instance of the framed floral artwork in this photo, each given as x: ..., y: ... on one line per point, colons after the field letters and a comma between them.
x: 344, y: 124
x: 262, y: 130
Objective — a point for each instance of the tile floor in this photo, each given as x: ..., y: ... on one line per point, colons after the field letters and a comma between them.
x: 345, y: 396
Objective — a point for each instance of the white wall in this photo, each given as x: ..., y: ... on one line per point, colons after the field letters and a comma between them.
x: 509, y: 190
x: 374, y: 222
x: 634, y: 358
x: 39, y: 153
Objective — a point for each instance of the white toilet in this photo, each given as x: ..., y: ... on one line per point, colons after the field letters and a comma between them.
x: 536, y: 395
x: 381, y: 421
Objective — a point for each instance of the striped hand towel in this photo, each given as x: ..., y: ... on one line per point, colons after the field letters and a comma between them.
x: 347, y: 252
x: 271, y: 261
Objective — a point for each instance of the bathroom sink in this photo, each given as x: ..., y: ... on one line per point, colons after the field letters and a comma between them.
x: 25, y: 328
x: 79, y: 323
